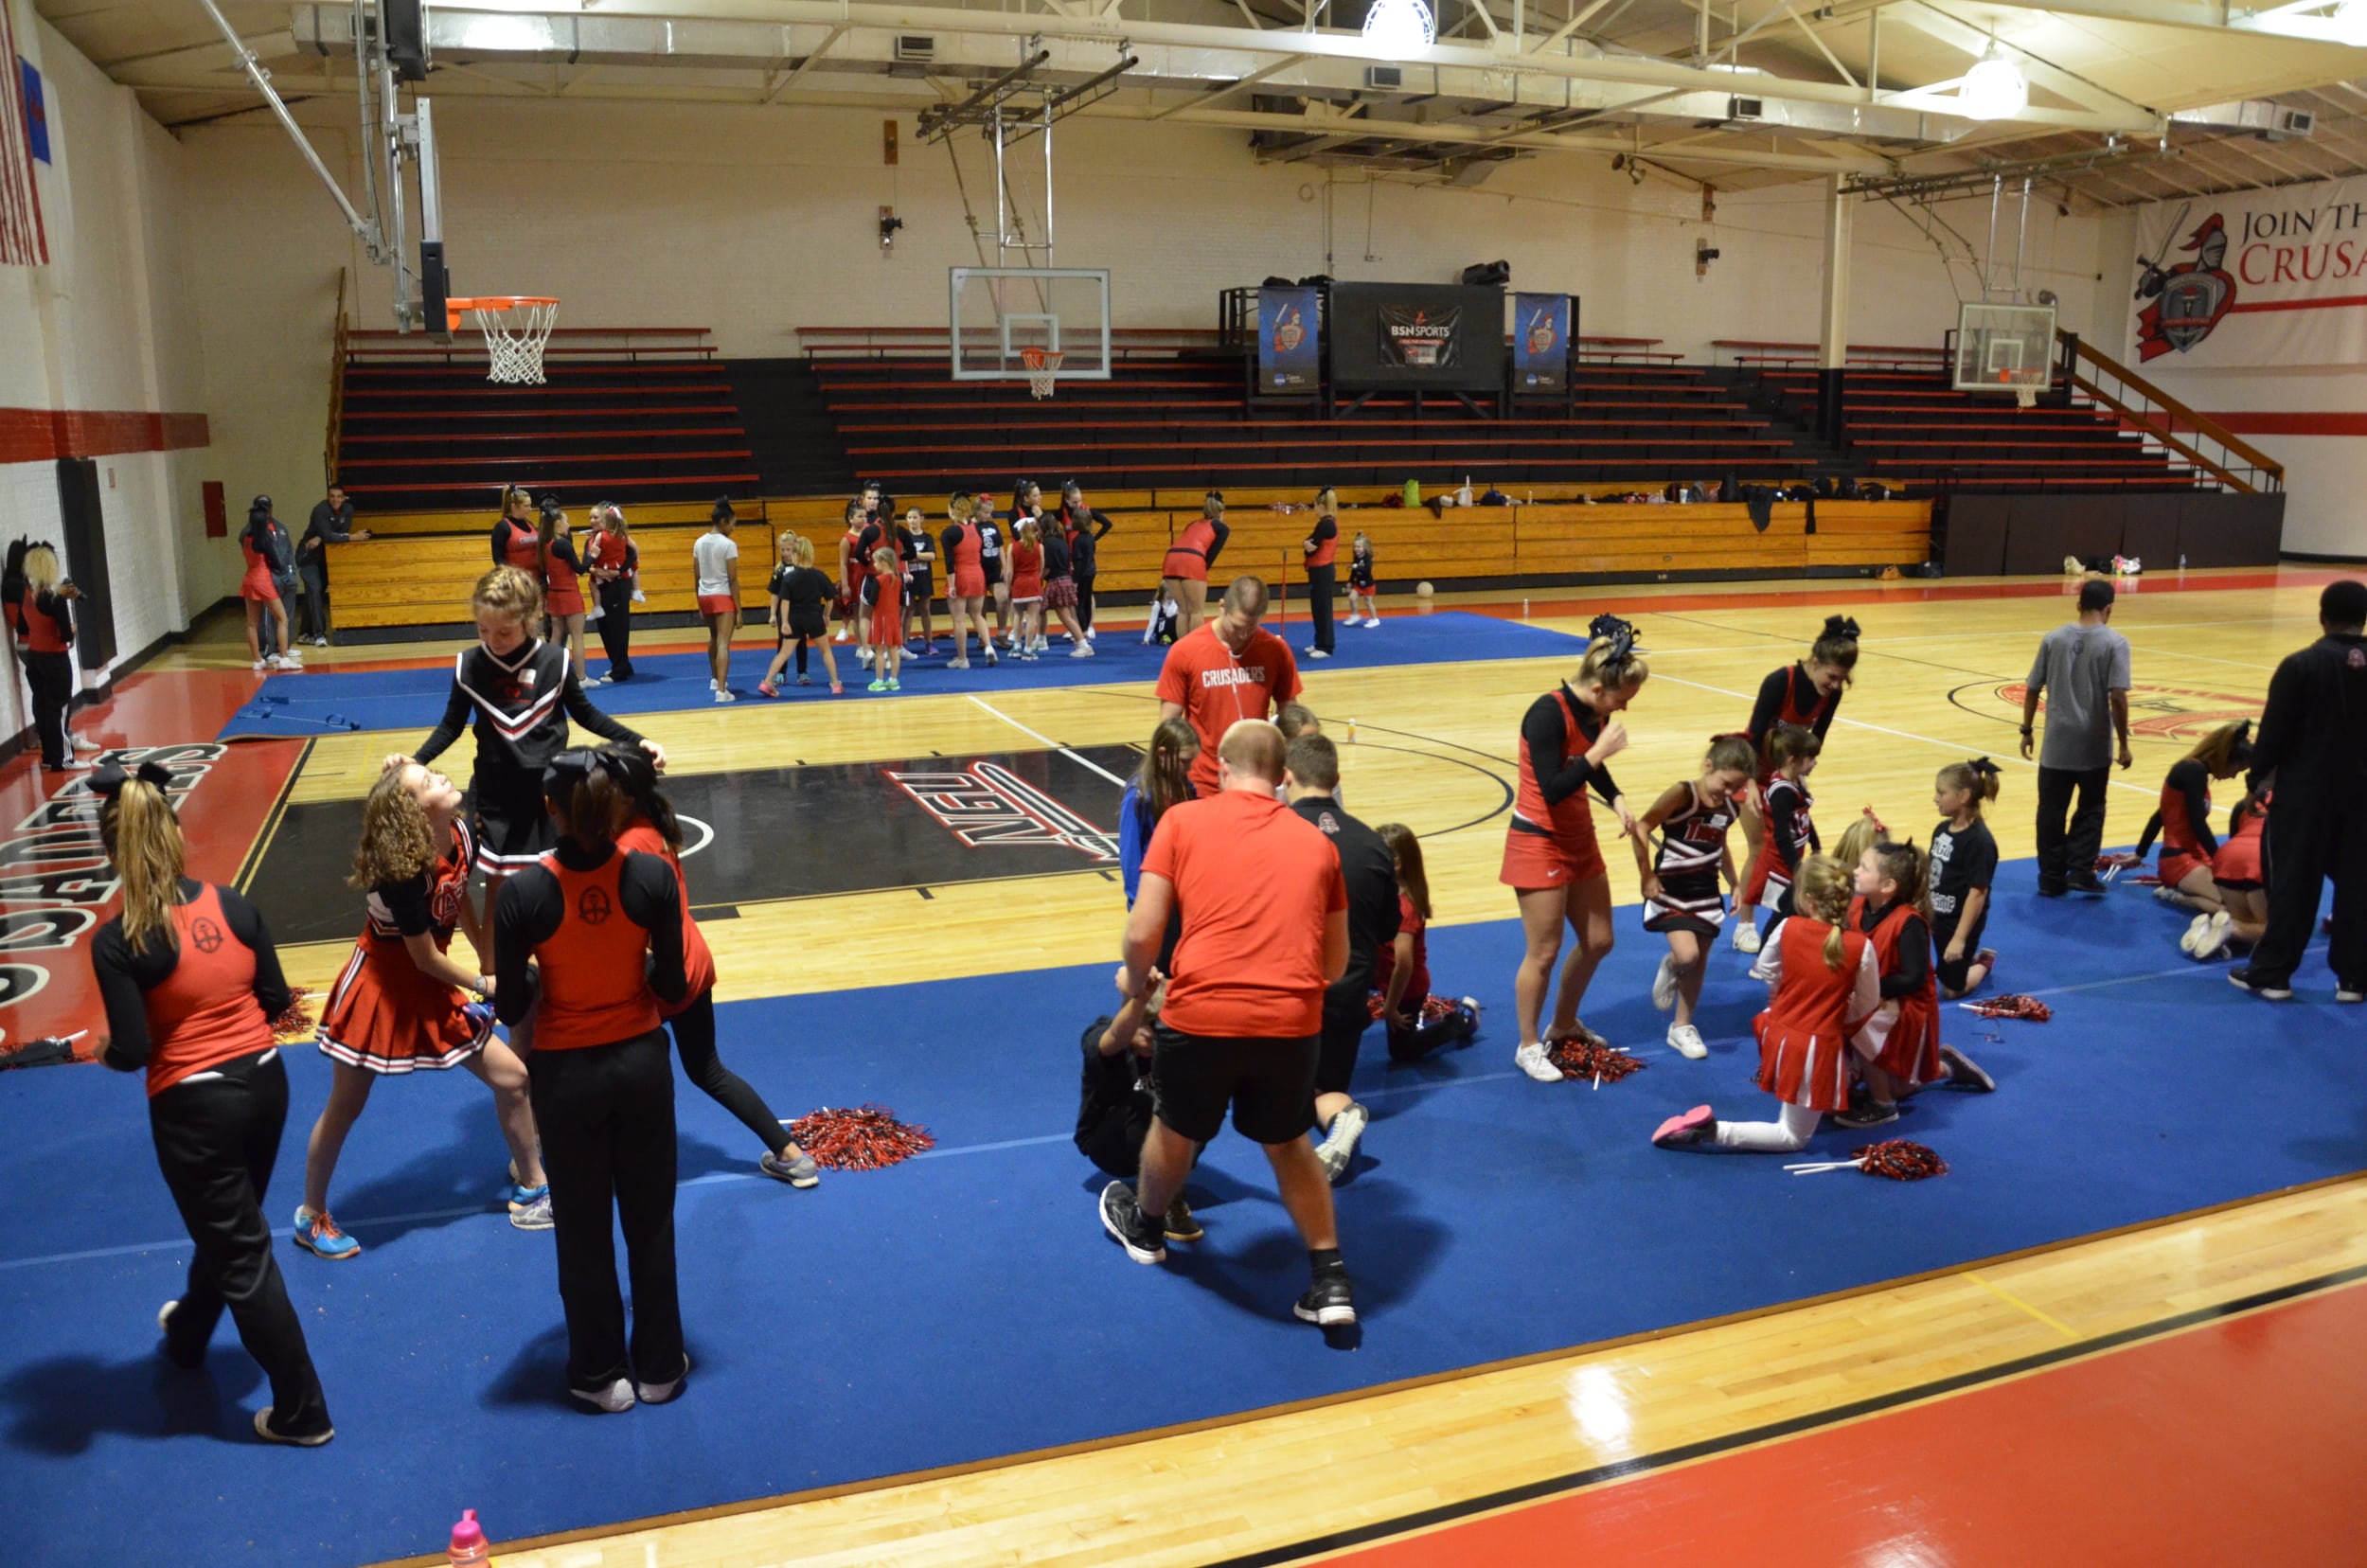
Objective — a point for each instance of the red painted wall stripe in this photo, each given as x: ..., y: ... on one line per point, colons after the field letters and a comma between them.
x: 35, y: 434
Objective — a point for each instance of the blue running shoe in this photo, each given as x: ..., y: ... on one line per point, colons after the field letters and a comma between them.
x: 531, y: 1208
x: 319, y: 1235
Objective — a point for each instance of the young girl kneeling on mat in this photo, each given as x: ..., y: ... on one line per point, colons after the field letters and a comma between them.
x: 397, y: 1006
x: 1826, y: 984
x: 1891, y: 911
x: 1682, y: 876
x: 1962, y: 864
x: 2239, y: 880
x: 1417, y: 1022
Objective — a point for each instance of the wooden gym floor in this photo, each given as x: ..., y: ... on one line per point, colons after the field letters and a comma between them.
x: 1431, y: 746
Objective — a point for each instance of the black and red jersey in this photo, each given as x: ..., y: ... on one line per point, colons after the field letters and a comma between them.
x: 1554, y: 774
x: 605, y: 934
x: 183, y: 1009
x: 521, y: 703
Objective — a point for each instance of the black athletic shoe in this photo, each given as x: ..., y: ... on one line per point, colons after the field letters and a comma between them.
x: 1144, y: 1242
x: 1869, y: 1113
x: 1181, y: 1225
x: 1328, y: 1303
x: 2091, y: 888
x: 2242, y: 979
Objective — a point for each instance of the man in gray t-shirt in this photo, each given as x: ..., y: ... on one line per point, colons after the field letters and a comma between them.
x: 2082, y: 671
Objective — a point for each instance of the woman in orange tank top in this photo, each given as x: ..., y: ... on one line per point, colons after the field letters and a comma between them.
x: 190, y: 983
x: 602, y: 926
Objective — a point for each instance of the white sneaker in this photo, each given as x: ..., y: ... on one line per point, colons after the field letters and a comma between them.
x: 2212, y: 942
x: 842, y: 635
x: 272, y: 661
x: 1338, y: 1150
x: 2350, y: 998
x: 723, y: 696
x: 614, y: 1399
x: 1082, y: 651
x: 81, y: 744
x: 1372, y: 623
x: 1687, y: 1041
x: 1089, y: 633
x: 2195, y: 929
x: 1533, y: 1061
x: 1664, y: 985
x: 659, y: 1393
x: 1746, y: 937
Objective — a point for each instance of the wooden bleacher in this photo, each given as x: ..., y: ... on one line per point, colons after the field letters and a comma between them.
x: 418, y: 569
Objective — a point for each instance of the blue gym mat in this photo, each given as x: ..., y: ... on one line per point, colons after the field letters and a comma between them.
x: 967, y: 1305
x: 326, y: 700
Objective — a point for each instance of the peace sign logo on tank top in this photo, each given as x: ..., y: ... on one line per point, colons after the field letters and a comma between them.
x: 206, y: 934
x: 593, y: 906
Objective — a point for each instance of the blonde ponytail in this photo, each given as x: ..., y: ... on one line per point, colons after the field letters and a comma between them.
x: 1822, y: 890
x: 143, y: 839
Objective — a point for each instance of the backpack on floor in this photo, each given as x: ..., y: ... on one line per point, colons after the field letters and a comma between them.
x: 1163, y: 618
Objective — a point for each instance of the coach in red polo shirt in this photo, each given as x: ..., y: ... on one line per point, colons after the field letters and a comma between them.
x: 1265, y: 931
x: 1225, y: 671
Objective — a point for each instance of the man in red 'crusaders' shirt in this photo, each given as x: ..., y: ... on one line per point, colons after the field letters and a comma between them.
x: 1225, y: 671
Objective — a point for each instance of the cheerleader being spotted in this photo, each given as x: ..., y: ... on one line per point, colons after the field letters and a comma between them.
x: 396, y: 1006
x: 521, y: 693
x: 1826, y: 983
x: 1680, y: 876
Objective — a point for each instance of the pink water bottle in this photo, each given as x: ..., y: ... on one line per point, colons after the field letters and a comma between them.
x: 468, y: 1548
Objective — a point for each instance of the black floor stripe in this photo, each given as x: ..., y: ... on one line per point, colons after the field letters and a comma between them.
x: 1642, y: 1464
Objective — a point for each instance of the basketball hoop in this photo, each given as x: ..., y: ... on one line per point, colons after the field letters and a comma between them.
x: 1044, y: 369
x: 515, y: 327
x: 2025, y: 397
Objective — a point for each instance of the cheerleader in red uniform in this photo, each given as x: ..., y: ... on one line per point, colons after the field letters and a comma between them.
x: 2183, y: 822
x: 397, y: 1006
x: 260, y: 594
x: 1417, y: 1022
x: 651, y: 829
x: 1827, y: 984
x: 1551, y: 862
x: 885, y: 590
x: 1807, y: 694
x: 1892, y: 913
x: 1789, y: 834
x: 1681, y: 877
x: 853, y: 570
x: 2239, y: 880
x: 563, y: 591
x: 964, y: 580
x: 1184, y: 574
x: 1027, y: 590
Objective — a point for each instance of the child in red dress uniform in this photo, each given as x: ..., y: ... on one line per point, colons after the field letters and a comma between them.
x: 1827, y: 984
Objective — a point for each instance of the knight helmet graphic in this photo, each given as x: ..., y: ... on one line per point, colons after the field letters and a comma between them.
x: 2189, y: 300
x: 1288, y: 330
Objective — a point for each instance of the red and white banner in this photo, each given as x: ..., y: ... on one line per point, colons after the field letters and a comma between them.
x: 2256, y: 277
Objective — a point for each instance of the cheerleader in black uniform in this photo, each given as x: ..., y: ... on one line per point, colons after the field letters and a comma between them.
x: 1362, y: 585
x: 398, y: 1005
x: 1681, y: 877
x: 1807, y: 694
x: 590, y: 939
x: 190, y: 983
x: 522, y: 693
x: 1790, y: 836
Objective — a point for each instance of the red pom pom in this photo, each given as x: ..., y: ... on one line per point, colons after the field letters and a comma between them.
x: 1580, y: 1057
x: 294, y: 1021
x: 1900, y: 1161
x: 2028, y: 1009
x: 869, y: 1138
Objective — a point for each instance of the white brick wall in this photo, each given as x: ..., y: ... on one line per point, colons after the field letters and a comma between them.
x: 753, y: 223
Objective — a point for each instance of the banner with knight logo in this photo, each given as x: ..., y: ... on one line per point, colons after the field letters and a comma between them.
x: 2254, y: 277
x: 1541, y: 342
x: 1290, y: 342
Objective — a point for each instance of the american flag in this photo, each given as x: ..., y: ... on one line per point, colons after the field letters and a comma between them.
x: 22, y: 241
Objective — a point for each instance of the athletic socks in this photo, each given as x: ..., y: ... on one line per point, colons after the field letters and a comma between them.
x: 1325, y: 1262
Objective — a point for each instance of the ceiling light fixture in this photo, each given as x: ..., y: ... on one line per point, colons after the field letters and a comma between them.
x: 1399, y: 30
x: 1995, y: 87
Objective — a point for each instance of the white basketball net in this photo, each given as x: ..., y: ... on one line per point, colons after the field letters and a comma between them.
x: 514, y: 336
x: 1043, y: 370
x: 2025, y: 397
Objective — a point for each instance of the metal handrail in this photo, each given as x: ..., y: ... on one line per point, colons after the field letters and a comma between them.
x: 2240, y: 465
x: 336, y: 388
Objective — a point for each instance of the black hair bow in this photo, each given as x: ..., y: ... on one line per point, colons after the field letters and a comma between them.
x: 111, y: 778
x: 630, y: 768
x: 1620, y: 634
x: 1841, y: 625
x: 1983, y: 765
